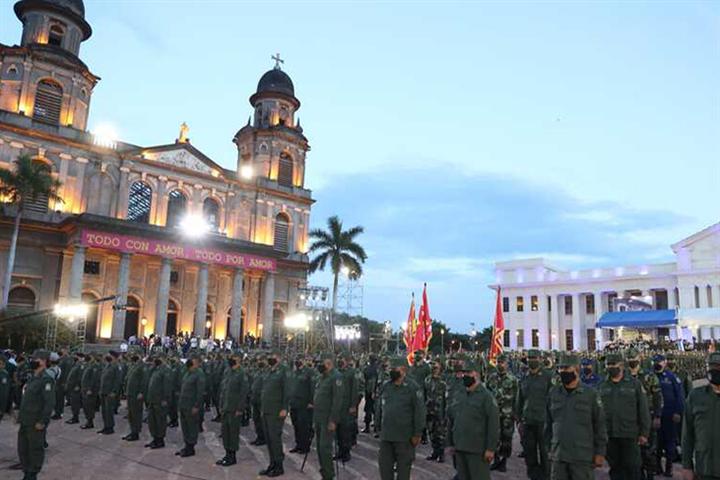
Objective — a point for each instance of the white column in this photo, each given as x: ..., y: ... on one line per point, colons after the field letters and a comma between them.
x: 237, y: 303
x: 77, y: 269
x: 268, y: 304
x: 703, y: 296
x: 163, y: 296
x: 716, y: 296
x: 543, y: 320
x: 671, y: 298
x: 578, y: 337
x: 118, y: 324
x: 555, y: 321
x: 201, y: 304
x: 687, y: 297
x: 528, y: 314
x: 599, y: 310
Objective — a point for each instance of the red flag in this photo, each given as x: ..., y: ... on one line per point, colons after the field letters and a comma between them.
x: 496, y: 346
x: 410, y: 328
x: 424, y: 332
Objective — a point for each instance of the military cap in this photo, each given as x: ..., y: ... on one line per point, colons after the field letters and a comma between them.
x: 613, y: 358
x: 586, y: 362
x: 534, y: 353
x: 327, y: 356
x: 568, y: 360
x: 714, y: 359
x: 502, y: 358
x: 276, y: 351
x: 659, y: 357
x: 398, y: 362
x: 632, y: 353
x: 471, y: 366
x: 41, y: 353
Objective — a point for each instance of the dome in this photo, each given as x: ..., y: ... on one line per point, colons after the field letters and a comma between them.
x: 75, y: 6
x: 276, y: 81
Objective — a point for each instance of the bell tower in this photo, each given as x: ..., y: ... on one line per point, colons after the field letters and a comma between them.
x: 272, y: 144
x: 44, y: 77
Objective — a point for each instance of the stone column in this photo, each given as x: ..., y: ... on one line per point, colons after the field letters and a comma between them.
x: 268, y: 301
x: 118, y: 324
x: 79, y: 200
x: 201, y: 305
x: 599, y: 310
x: 527, y: 322
x: 237, y: 303
x: 687, y: 296
x: 703, y: 296
x: 77, y: 270
x: 555, y: 322
x: 123, y: 193
x: 671, y: 297
x: 578, y: 337
x: 543, y: 321
x: 163, y: 296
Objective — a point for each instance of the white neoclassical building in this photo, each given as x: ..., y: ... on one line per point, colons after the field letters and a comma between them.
x: 551, y: 308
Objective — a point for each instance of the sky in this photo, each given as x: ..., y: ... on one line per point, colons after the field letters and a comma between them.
x: 457, y: 133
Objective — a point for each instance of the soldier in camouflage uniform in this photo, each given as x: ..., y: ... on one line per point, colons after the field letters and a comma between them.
x: 651, y: 384
x: 435, y: 395
x: 504, y: 387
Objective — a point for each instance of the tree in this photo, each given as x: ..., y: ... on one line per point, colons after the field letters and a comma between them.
x: 338, y: 248
x: 29, y: 181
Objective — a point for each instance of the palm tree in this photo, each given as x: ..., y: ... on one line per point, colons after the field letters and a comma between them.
x: 338, y: 248
x: 29, y: 181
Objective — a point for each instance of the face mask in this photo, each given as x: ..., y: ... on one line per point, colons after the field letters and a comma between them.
x: 502, y: 368
x: 587, y: 371
x: 232, y: 362
x: 714, y: 376
x: 657, y: 367
x: 468, y: 381
x: 34, y: 364
x: 321, y: 368
x: 534, y: 364
x: 272, y: 361
x: 671, y: 366
x: 189, y: 364
x: 633, y: 363
x: 299, y: 364
x: 613, y: 371
x: 108, y: 359
x: 342, y: 364
x: 567, y: 377
x: 394, y: 375
x: 157, y: 363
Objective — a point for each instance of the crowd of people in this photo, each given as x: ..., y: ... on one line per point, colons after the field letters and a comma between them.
x: 639, y: 411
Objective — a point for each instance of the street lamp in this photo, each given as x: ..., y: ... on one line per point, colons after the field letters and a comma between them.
x: 194, y: 226
x: 143, y: 322
x: 208, y: 324
x: 442, y: 340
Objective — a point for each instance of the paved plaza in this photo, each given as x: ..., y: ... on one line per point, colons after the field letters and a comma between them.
x: 76, y: 454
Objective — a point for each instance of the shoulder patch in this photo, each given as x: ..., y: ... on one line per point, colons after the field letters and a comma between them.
x: 48, y: 387
x: 338, y: 382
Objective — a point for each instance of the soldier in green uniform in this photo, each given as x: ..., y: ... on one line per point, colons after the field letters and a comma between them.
x: 504, y: 387
x: 176, y: 373
x: 435, y: 390
x: 65, y: 363
x: 110, y: 385
x: 651, y: 385
x: 401, y: 415
x: 370, y: 374
x: 233, y: 394
x: 37, y: 404
x: 190, y: 403
x: 348, y: 417
x: 90, y: 385
x: 73, y: 390
x: 301, y: 397
x: 4, y: 386
x: 274, y: 401
x: 327, y: 411
x: 575, y: 426
x: 474, y: 427
x: 258, y: 377
x: 627, y: 419
x: 701, y: 427
x: 135, y: 389
x: 160, y: 386
x: 531, y: 406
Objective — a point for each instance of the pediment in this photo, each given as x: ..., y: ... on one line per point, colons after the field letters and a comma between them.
x: 183, y: 156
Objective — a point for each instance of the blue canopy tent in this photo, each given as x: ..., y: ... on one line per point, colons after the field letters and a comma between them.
x: 638, y: 319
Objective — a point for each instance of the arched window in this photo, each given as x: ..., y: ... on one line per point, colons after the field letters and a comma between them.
x: 176, y: 208
x: 211, y: 213
x: 21, y: 298
x: 48, y: 102
x: 282, y: 231
x: 278, y: 325
x: 285, y: 170
x: 132, y: 317
x: 139, y: 202
x: 56, y: 35
x: 39, y: 204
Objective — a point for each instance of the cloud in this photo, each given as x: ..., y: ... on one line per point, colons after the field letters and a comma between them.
x: 442, y: 226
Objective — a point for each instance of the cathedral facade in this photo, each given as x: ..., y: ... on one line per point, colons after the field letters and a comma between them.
x: 184, y: 244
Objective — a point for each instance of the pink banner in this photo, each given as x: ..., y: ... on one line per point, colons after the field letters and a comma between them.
x: 128, y: 244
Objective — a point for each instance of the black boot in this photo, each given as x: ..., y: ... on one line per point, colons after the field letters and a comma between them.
x: 158, y: 443
x: 668, y: 468
x: 188, y: 451
x: 88, y: 426
x: 441, y: 457
x: 267, y: 471
x: 277, y: 471
x: 496, y: 463
x: 366, y: 429
x: 228, y: 460
x: 432, y: 456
